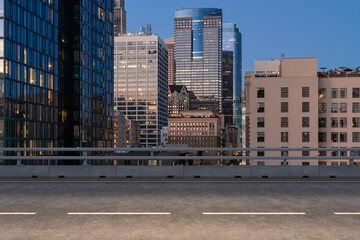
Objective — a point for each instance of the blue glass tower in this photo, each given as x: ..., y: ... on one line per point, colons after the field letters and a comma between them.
x: 232, y: 42
x: 197, y: 53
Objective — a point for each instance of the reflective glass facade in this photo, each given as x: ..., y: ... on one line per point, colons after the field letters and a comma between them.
x: 87, y: 72
x: 197, y: 53
x: 29, y: 74
x: 227, y: 87
x: 232, y: 42
x: 141, y: 84
x: 119, y: 17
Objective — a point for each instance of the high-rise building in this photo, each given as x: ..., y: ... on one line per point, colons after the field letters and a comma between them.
x: 141, y: 87
x: 197, y: 51
x: 86, y: 72
x: 171, y: 61
x: 29, y: 74
x: 178, y: 97
x: 227, y: 87
x: 119, y: 17
x: 232, y: 42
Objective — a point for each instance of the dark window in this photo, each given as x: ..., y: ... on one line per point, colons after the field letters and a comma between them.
x: 284, y: 137
x: 305, y: 107
x: 284, y: 92
x: 261, y: 122
x: 305, y: 122
x: 261, y: 93
x: 322, y: 136
x: 284, y: 107
x: 356, y: 93
x: 334, y: 137
x: 322, y: 122
x: 305, y: 92
x: 284, y: 122
x: 261, y: 137
x: 305, y: 137
x: 261, y: 107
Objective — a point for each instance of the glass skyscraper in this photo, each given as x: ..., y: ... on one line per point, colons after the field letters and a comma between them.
x: 198, y: 57
x: 119, y: 17
x: 56, y: 73
x: 232, y: 42
x: 227, y: 87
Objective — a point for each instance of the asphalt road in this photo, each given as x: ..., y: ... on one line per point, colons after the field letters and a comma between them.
x: 180, y: 210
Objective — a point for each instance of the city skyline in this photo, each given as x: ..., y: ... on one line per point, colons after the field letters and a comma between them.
x: 297, y: 29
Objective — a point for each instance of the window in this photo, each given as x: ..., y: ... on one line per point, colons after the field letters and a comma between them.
x: 334, y: 137
x: 305, y: 122
x: 305, y: 107
x: 343, y: 137
x: 343, y: 107
x: 305, y: 92
x: 284, y: 92
x: 261, y: 122
x: 322, y: 154
x: 334, y: 107
x: 284, y: 122
x: 261, y: 93
x: 322, y: 136
x: 356, y: 92
x: 356, y: 107
x: 305, y: 136
x: 284, y: 136
x: 343, y: 122
x: 322, y: 122
x: 322, y: 107
x: 356, y: 136
x: 261, y: 107
x: 261, y: 137
x: 322, y: 93
x: 305, y: 153
x: 334, y: 122
x: 334, y: 93
x: 260, y: 163
x: 284, y: 107
x: 343, y: 93
x: 356, y: 122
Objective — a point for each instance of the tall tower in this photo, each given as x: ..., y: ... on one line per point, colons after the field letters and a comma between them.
x: 171, y: 62
x: 119, y: 17
x: 198, y: 56
x: 232, y: 42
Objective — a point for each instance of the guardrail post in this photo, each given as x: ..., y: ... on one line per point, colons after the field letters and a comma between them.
x: 85, y: 162
x: 351, y: 160
x: 218, y: 161
x: 18, y: 162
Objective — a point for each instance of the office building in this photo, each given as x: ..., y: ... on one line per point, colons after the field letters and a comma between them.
x: 119, y: 17
x: 232, y: 41
x: 87, y: 72
x: 141, y: 87
x: 288, y: 105
x: 227, y: 87
x: 171, y: 61
x: 198, y: 56
x: 179, y: 97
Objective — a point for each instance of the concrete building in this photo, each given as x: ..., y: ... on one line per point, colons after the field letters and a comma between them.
x: 281, y: 107
x: 178, y: 97
x: 119, y: 17
x: 198, y: 54
x: 196, y: 129
x: 164, y: 136
x: 288, y: 105
x: 171, y: 60
x: 119, y: 130
x: 132, y: 133
x: 141, y: 87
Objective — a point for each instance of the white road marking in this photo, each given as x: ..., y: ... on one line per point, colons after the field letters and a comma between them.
x: 17, y: 213
x: 254, y: 213
x: 347, y: 213
x: 119, y: 213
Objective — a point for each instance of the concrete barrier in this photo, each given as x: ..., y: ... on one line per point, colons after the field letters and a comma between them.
x: 285, y: 171
x: 149, y: 171
x: 82, y: 171
x: 179, y: 171
x: 339, y: 171
x: 217, y: 171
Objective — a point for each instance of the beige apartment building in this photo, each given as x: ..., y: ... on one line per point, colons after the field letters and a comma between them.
x: 288, y: 105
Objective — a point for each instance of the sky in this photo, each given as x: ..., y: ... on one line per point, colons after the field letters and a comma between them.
x: 326, y: 29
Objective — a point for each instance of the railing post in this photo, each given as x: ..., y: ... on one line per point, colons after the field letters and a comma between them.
x: 18, y: 162
x: 218, y: 161
x: 351, y: 160
x: 85, y: 162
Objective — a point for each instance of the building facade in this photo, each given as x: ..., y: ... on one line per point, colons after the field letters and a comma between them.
x: 87, y: 72
x: 171, y: 61
x: 227, y: 87
x: 141, y: 87
x: 197, y: 53
x: 179, y: 97
x: 232, y: 41
x: 288, y: 105
x: 119, y: 17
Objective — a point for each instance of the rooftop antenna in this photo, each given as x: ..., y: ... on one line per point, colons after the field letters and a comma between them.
x: 323, y: 68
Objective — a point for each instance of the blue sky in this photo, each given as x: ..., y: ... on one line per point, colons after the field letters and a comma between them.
x: 326, y: 29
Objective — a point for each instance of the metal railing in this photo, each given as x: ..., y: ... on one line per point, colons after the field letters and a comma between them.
x: 27, y: 155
